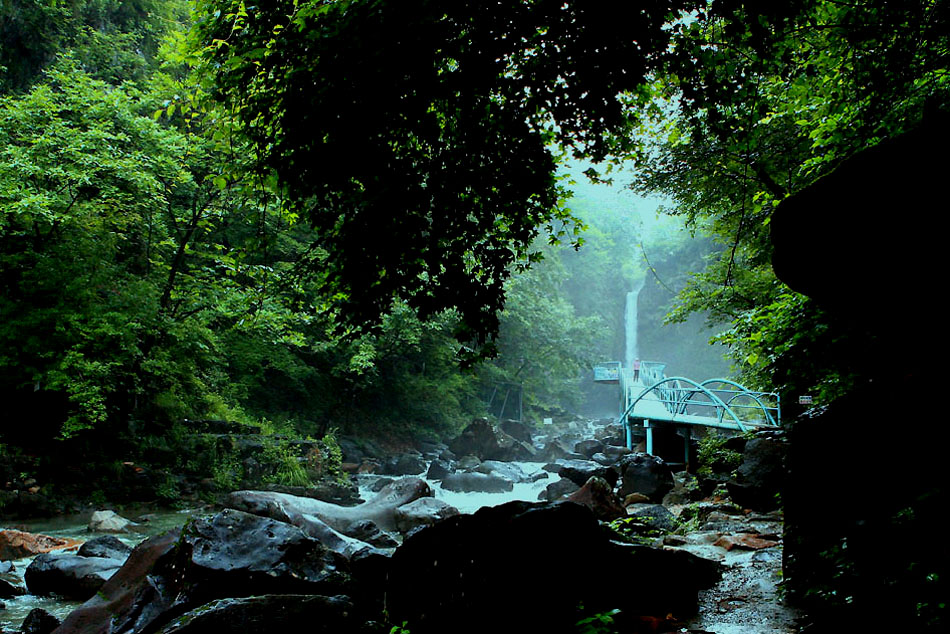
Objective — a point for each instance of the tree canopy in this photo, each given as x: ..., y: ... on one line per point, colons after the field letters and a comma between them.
x: 420, y: 144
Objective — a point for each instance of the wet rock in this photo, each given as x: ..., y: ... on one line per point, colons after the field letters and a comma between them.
x: 69, y: 576
x: 327, y: 490
x: 580, y: 471
x: 404, y: 464
x: 517, y: 430
x: 6, y: 567
x: 134, y: 597
x: 16, y: 544
x: 655, y: 516
x: 9, y: 590
x: 482, y: 439
x: 556, y: 450
x: 109, y: 522
x: 517, y: 539
x: 558, y: 490
x: 745, y: 541
x: 267, y: 614
x: 506, y: 470
x: 230, y: 555
x: 380, y: 509
x: 438, y: 469
x: 588, y: 448
x: 39, y: 621
x: 598, y: 496
x: 423, y: 512
x: 236, y: 554
x: 106, y: 546
x: 761, y: 476
x: 475, y: 482
x: 646, y: 474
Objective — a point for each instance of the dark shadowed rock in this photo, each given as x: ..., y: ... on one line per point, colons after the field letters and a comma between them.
x: 268, y: 614
x: 517, y: 430
x: 558, y: 490
x: 588, y: 448
x: 107, y: 546
x: 646, y: 474
x: 229, y: 555
x: 39, y: 621
x: 655, y: 516
x: 482, y: 439
x: 598, y: 496
x: 476, y: 483
x: 404, y: 464
x: 761, y: 476
x: 68, y: 575
x: 580, y: 471
x: 438, y: 469
x: 466, y: 589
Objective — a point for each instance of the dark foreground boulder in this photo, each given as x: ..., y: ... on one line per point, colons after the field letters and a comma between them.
x: 268, y: 614
x: 646, y: 474
x: 230, y: 555
x: 761, y: 476
x: 67, y: 575
x: 39, y: 621
x: 456, y: 576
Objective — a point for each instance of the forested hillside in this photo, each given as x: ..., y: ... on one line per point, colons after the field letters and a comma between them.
x: 154, y: 275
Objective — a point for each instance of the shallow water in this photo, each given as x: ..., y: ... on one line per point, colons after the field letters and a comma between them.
x: 74, y: 527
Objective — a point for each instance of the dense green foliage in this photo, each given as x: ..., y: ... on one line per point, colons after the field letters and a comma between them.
x: 433, y: 125
x: 753, y: 105
x: 153, y: 275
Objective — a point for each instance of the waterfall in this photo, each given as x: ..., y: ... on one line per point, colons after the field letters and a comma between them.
x: 632, y: 350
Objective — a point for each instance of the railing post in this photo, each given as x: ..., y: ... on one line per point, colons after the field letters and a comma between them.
x: 646, y: 425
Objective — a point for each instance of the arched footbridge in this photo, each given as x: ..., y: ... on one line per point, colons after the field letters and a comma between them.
x: 650, y: 399
x: 683, y: 402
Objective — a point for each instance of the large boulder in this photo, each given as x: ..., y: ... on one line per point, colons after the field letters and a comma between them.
x: 109, y: 522
x: 599, y: 497
x: 580, y: 471
x: 482, y: 439
x: 423, y: 512
x: 475, y: 482
x: 379, y: 510
x: 70, y: 576
x: 16, y: 544
x: 107, y: 546
x: 230, y: 555
x: 267, y: 614
x: 456, y: 575
x: 39, y: 621
x: 646, y: 474
x: 404, y: 464
x: 761, y: 476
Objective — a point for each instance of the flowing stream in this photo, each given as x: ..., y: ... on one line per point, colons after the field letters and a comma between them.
x: 74, y: 527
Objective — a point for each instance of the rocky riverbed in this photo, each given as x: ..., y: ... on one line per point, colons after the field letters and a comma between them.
x: 486, y: 520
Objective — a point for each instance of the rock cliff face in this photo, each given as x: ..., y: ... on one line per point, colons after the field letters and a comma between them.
x: 863, y: 242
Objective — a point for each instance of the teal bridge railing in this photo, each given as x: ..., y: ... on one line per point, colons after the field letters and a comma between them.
x: 650, y: 397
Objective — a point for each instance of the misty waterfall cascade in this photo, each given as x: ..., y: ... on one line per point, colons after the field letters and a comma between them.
x: 630, y: 321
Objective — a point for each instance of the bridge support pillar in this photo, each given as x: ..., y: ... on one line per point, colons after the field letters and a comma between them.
x: 646, y: 425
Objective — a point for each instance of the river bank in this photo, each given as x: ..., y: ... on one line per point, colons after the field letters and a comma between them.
x: 745, y: 545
